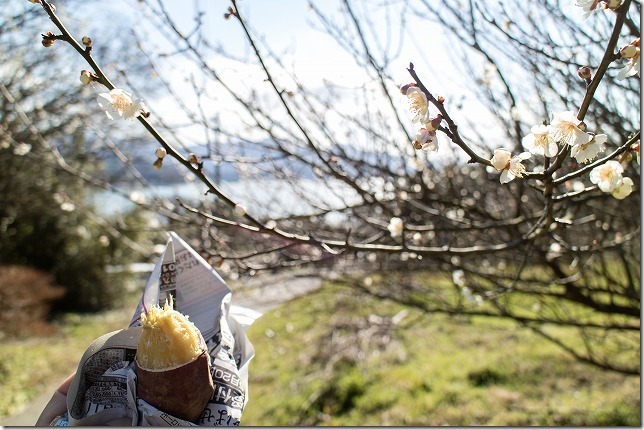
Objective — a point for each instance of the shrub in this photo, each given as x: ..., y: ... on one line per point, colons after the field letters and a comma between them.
x: 27, y: 296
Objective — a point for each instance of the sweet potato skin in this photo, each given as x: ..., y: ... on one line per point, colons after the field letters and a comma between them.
x: 183, y: 392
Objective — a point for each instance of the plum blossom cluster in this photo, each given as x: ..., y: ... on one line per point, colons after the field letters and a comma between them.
x: 425, y: 138
x: 544, y: 140
x: 565, y: 131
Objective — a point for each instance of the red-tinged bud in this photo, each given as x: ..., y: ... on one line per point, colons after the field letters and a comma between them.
x: 585, y: 73
x: 440, y: 99
x: 192, y: 158
x: 48, y: 39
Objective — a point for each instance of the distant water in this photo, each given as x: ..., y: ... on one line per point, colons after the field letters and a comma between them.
x: 263, y: 198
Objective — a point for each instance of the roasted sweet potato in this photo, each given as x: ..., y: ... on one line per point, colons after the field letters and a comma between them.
x: 173, y: 364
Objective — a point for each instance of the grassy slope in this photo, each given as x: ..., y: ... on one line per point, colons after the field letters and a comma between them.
x: 316, y: 363
x: 436, y: 370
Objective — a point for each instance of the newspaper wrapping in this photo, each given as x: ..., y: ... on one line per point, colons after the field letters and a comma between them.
x: 103, y: 391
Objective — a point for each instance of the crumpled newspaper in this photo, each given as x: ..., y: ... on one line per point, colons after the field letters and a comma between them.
x: 103, y: 391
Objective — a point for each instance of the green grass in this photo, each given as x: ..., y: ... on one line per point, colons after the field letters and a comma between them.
x: 328, y: 359
x: 29, y: 366
x: 314, y: 365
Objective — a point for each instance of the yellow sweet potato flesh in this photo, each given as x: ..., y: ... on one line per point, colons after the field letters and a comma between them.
x: 168, y: 339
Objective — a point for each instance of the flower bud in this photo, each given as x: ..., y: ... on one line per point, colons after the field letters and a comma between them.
x: 628, y: 51
x: 161, y: 152
x: 158, y: 163
x: 86, y: 77
x: 440, y: 99
x: 229, y: 13
x: 192, y: 158
x: 240, y: 209
x: 613, y: 4
x: 48, y: 39
x: 87, y: 42
x: 585, y: 73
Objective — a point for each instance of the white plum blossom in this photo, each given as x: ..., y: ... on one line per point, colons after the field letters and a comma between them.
x: 540, y: 141
x: 118, y: 103
x: 511, y: 166
x: 632, y: 52
x: 417, y: 104
x: 586, y: 152
x: 426, y: 140
x: 608, y: 176
x: 624, y: 188
x: 395, y: 227
x: 588, y: 6
x: 565, y: 127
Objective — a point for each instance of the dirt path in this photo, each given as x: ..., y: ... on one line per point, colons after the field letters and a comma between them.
x: 263, y: 293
